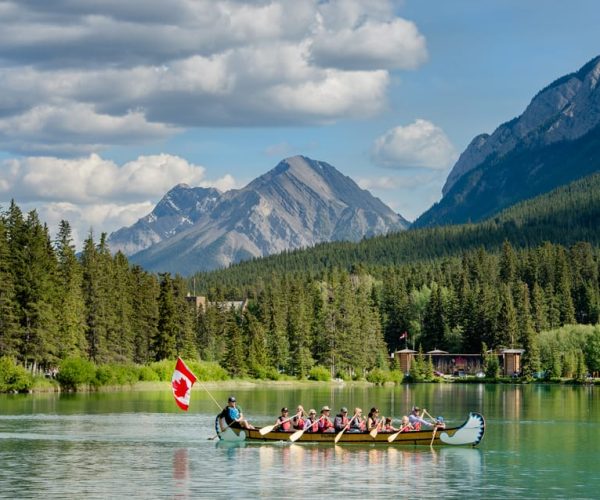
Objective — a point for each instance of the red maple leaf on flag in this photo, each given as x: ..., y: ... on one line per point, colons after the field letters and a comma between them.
x: 180, y: 387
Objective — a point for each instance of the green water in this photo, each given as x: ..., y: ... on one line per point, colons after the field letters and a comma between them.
x: 541, y: 442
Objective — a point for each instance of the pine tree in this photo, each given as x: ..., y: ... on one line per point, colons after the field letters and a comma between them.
x: 528, y: 337
x: 144, y: 320
x: 164, y: 345
x: 71, y: 306
x: 235, y: 359
x: 507, y: 333
x: 258, y: 355
x: 298, y: 330
x: 9, y: 325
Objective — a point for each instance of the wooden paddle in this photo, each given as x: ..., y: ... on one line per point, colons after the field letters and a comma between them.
x: 391, y: 437
x: 296, y: 435
x: 433, y: 436
x: 269, y: 428
x: 339, y: 434
x: 375, y: 429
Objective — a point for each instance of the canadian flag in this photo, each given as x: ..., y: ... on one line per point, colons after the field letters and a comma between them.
x: 182, y: 382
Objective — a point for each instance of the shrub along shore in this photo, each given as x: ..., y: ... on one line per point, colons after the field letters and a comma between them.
x: 76, y: 374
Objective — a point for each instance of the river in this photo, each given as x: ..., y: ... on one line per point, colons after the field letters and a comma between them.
x: 542, y: 441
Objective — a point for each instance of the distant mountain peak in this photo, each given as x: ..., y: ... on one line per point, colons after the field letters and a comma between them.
x: 566, y: 109
x: 298, y: 203
x: 553, y: 142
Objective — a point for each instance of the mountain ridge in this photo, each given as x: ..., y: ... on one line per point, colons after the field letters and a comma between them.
x: 297, y: 204
x: 517, y: 161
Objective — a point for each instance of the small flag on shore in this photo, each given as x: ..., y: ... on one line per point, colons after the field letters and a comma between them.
x: 182, y: 382
x: 404, y: 335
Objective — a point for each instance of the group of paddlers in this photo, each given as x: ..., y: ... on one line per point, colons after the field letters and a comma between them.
x: 231, y: 416
x: 310, y: 422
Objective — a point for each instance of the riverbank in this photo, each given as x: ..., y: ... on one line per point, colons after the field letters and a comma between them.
x: 50, y: 385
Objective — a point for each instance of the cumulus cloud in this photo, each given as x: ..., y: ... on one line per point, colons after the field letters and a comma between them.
x: 82, y: 76
x: 93, y: 192
x: 418, y: 145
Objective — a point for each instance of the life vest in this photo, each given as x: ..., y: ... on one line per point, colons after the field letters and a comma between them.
x: 286, y: 426
x: 340, y: 422
x: 325, y: 424
x: 297, y: 423
x: 312, y: 426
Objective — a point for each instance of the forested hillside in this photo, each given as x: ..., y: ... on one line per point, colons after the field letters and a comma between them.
x: 339, y: 306
x: 565, y: 216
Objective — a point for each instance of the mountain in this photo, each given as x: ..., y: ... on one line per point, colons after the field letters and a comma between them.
x: 555, y: 141
x: 300, y: 203
x: 179, y: 209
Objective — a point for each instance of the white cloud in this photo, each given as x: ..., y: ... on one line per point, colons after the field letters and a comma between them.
x: 95, y: 193
x: 83, y: 76
x: 93, y: 179
x: 418, y: 145
x: 383, y: 183
x: 372, y: 45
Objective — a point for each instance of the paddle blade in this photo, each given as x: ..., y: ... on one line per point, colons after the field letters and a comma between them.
x: 391, y: 437
x: 373, y: 433
x: 266, y: 430
x: 339, y: 435
x: 296, y: 435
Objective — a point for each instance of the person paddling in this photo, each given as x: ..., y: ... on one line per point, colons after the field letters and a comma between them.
x: 341, y: 419
x: 298, y: 419
x: 233, y: 416
x: 356, y: 422
x: 417, y: 420
x: 373, y: 421
x: 283, y: 423
x: 325, y: 424
x: 311, y: 424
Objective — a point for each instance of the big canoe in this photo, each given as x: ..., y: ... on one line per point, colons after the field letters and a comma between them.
x: 469, y: 433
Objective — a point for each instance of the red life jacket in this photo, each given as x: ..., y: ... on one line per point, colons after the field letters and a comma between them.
x: 312, y: 426
x: 297, y: 423
x: 286, y: 426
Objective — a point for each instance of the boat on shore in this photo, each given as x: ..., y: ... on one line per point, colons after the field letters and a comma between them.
x: 469, y: 433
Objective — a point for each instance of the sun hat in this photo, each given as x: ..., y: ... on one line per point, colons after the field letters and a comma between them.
x: 344, y: 409
x: 325, y: 408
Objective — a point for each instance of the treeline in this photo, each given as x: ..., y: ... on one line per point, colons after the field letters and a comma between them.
x: 56, y: 305
x: 566, y: 215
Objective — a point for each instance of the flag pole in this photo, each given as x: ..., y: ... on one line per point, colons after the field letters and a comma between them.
x: 211, y: 396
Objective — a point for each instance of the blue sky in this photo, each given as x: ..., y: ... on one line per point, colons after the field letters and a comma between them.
x: 106, y: 105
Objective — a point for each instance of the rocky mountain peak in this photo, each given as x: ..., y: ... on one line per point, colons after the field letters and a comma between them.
x: 299, y: 203
x: 566, y: 109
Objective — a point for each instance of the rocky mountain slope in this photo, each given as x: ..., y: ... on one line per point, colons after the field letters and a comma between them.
x: 555, y: 140
x: 300, y: 203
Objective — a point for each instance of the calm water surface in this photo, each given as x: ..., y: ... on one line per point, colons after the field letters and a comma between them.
x: 541, y: 442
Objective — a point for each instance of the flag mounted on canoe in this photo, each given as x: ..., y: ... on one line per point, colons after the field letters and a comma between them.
x: 182, y: 382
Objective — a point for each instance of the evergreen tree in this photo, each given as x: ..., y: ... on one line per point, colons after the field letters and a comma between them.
x: 96, y: 302
x: 528, y: 337
x: 434, y: 326
x: 258, y: 354
x: 298, y: 330
x: 507, y: 333
x: 144, y: 320
x: 9, y: 325
x: 164, y: 345
x: 235, y: 359
x: 71, y: 311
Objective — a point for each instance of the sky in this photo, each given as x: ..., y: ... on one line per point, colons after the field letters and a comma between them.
x: 106, y: 105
